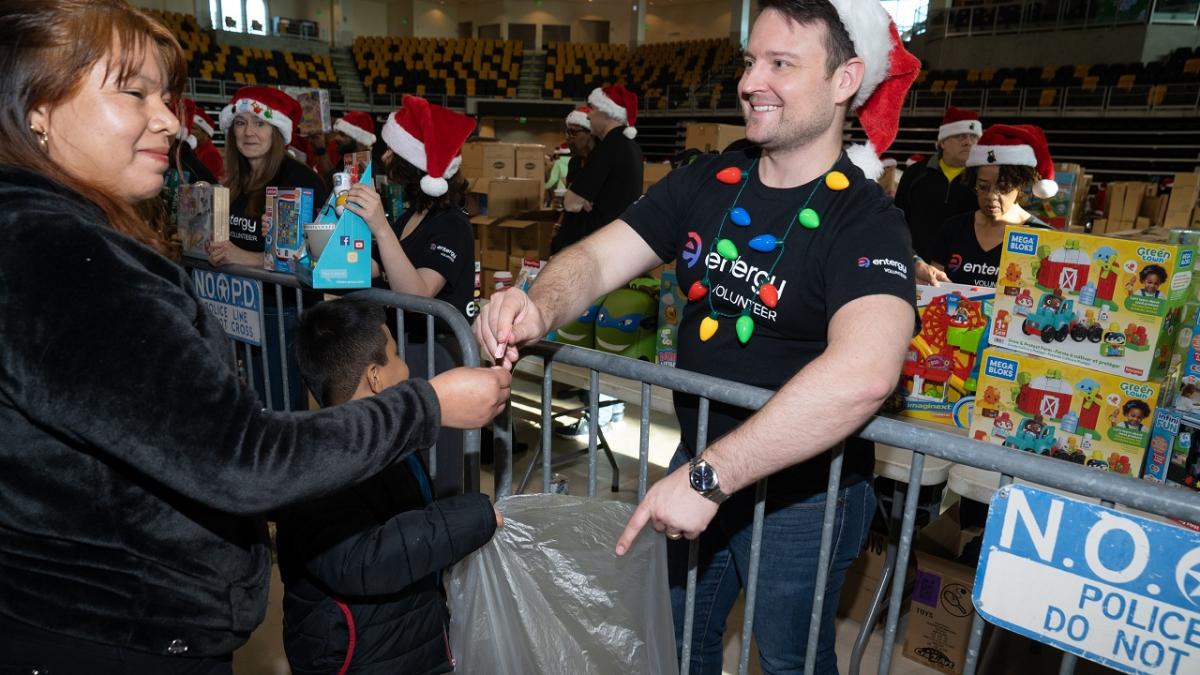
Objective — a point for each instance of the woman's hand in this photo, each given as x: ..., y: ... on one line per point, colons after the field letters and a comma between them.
x: 364, y: 201
x: 226, y: 253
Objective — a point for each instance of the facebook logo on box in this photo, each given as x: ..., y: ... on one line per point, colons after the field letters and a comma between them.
x: 1004, y: 369
x: 1022, y: 242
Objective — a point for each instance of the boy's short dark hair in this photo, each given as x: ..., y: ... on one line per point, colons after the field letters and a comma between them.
x: 335, y: 342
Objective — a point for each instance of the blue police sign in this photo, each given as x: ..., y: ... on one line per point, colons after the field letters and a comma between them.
x: 1108, y: 586
x: 234, y: 301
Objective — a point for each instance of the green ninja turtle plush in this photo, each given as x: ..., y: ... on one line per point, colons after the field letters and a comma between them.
x: 627, y: 321
x: 582, y: 331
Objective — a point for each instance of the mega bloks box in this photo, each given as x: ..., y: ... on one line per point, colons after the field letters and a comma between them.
x: 942, y: 366
x: 1107, y: 304
x: 1063, y: 411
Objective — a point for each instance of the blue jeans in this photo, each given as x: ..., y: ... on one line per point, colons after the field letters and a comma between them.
x: 787, y: 570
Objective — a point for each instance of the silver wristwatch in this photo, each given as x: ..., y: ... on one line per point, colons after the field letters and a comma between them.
x: 703, y: 479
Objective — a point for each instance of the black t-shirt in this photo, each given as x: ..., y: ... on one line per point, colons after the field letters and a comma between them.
x: 245, y: 229
x: 611, y: 180
x: 861, y: 248
x: 957, y: 250
x: 444, y: 243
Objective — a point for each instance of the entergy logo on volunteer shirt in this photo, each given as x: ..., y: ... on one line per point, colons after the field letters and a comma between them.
x: 886, y: 264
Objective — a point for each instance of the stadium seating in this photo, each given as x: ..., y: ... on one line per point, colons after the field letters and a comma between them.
x: 450, y: 66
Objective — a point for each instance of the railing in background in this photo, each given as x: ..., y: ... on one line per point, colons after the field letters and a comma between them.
x: 1011, y: 464
x: 1025, y: 16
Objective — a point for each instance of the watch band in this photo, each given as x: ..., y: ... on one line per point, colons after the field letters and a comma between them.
x: 713, y: 494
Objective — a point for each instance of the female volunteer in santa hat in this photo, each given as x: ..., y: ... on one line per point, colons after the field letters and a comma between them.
x: 429, y: 251
x: 1007, y: 160
x: 261, y: 122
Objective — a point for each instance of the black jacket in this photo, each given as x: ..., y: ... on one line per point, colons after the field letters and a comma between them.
x: 928, y: 200
x: 376, y: 549
x: 135, y: 463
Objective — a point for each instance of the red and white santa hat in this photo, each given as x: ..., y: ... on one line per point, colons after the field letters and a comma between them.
x: 1017, y: 145
x: 429, y: 137
x: 562, y: 149
x: 914, y: 159
x: 890, y: 71
x: 579, y: 117
x: 267, y: 103
x: 357, y: 125
x: 195, y: 117
x: 959, y: 121
x: 618, y: 103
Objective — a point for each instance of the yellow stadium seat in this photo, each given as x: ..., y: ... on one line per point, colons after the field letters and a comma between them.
x: 1008, y: 84
x: 1046, y: 100
x: 1126, y: 82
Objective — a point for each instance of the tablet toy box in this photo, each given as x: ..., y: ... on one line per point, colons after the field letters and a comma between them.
x: 942, y: 366
x: 1092, y: 301
x: 1064, y: 411
x: 1174, y: 453
x: 345, y: 261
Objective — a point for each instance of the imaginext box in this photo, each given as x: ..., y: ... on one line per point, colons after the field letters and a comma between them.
x: 1063, y: 411
x: 940, y: 371
x: 1107, y: 304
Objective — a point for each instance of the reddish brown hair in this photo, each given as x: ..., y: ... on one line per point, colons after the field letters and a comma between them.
x: 47, y: 49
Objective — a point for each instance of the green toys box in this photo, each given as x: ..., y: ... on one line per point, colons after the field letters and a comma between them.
x: 1034, y: 404
x: 1107, y: 304
x: 671, y: 301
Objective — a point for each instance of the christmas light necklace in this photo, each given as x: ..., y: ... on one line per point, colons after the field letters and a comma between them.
x: 763, y: 243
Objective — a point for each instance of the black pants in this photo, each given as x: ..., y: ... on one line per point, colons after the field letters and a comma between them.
x: 25, y: 650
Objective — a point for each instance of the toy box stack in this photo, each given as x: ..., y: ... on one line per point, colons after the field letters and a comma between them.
x: 1072, y: 413
x: 942, y: 366
x: 1110, y: 305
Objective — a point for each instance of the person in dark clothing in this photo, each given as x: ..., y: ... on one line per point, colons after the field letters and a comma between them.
x: 260, y: 121
x: 611, y: 179
x: 198, y: 129
x: 360, y: 567
x: 1007, y: 161
x: 933, y: 191
x: 136, y: 465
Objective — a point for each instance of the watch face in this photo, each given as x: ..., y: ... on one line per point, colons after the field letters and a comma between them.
x: 702, y: 479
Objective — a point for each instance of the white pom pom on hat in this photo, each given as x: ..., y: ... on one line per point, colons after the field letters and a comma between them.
x: 429, y: 137
x: 1017, y: 145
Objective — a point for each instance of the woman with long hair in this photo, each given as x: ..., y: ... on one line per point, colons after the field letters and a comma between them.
x: 259, y: 124
x: 430, y: 250
x: 136, y: 465
x: 1008, y: 160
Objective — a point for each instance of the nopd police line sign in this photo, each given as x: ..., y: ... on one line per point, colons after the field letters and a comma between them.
x: 1114, y: 588
x: 234, y: 301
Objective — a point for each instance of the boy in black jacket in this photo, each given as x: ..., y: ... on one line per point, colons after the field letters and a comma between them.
x: 361, y: 567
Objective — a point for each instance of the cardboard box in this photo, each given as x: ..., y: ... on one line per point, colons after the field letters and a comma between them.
x: 708, y: 137
x: 1123, y: 200
x: 671, y: 301
x: 497, y: 198
x: 472, y: 159
x: 1066, y: 206
x: 942, y: 365
x: 1184, y: 194
x: 530, y: 234
x: 1092, y: 301
x: 1064, y: 411
x: 499, y: 160
x: 530, y: 161
x: 652, y: 172
x: 941, y: 610
x: 1155, y: 209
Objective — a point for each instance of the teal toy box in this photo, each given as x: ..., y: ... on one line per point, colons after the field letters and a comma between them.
x: 344, y: 261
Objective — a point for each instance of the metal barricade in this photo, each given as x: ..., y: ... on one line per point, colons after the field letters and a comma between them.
x: 286, y: 296
x: 1011, y: 464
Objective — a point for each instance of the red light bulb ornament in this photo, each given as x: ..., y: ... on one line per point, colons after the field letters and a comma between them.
x: 769, y: 295
x: 731, y: 175
x: 697, y: 291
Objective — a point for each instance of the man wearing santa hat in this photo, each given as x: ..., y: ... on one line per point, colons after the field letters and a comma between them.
x: 930, y: 192
x: 799, y: 277
x: 611, y: 179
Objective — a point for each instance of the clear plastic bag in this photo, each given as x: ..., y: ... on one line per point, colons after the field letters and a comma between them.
x: 547, y: 595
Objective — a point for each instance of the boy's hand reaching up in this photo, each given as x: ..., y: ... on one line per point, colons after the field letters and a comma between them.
x: 471, y: 397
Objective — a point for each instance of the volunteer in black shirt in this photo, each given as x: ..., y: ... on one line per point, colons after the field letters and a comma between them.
x: 824, y: 318
x: 259, y: 123
x: 581, y: 143
x: 430, y: 250
x: 1006, y: 162
x: 611, y: 179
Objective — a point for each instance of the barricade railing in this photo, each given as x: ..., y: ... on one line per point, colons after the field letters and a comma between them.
x: 1011, y: 464
x: 284, y: 295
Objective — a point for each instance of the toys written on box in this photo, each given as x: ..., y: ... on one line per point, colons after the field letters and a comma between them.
x: 1107, y: 304
x: 940, y: 372
x: 1063, y: 411
x: 285, y: 215
x: 343, y: 258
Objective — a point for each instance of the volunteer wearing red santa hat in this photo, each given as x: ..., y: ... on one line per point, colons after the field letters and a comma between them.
x: 1006, y: 161
x: 259, y: 124
x: 202, y: 127
x: 354, y: 132
x: 430, y: 250
x: 932, y: 191
x: 611, y: 178
x: 799, y: 276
